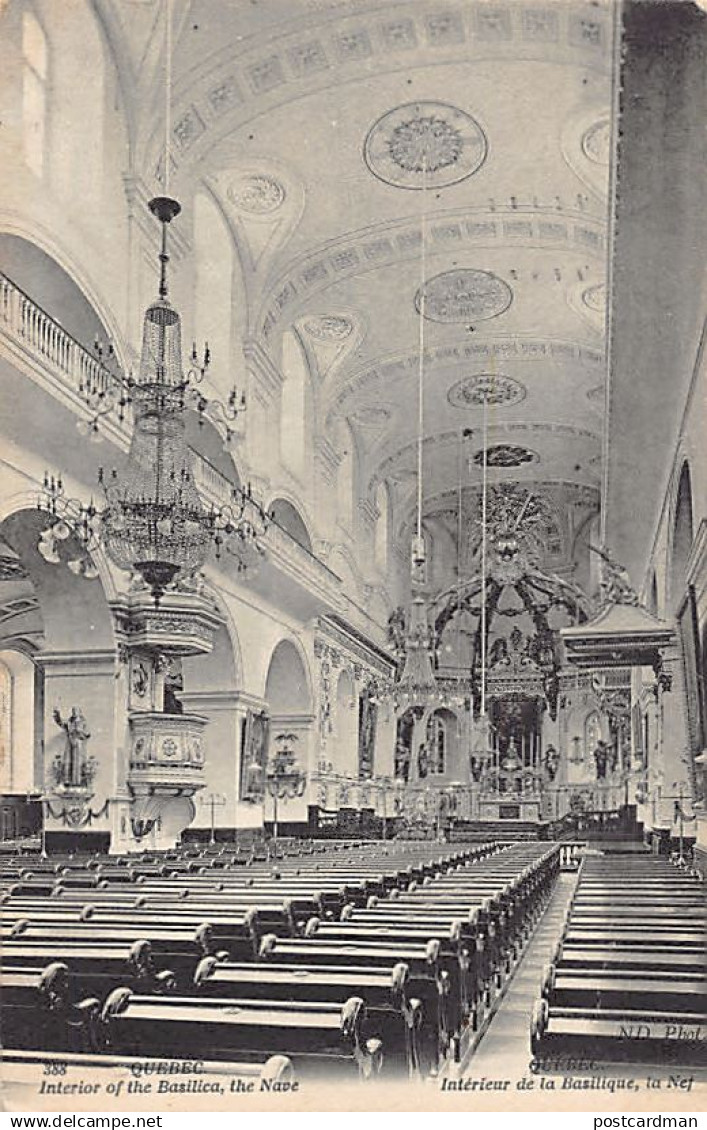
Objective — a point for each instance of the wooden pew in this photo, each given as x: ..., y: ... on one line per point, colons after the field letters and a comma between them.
x: 392, y: 1015
x: 452, y: 952
x: 628, y: 981
x: 95, y: 968
x: 619, y: 1036
x: 634, y: 990
x: 428, y: 982
x: 321, y: 1039
x: 178, y: 948
x: 38, y: 1009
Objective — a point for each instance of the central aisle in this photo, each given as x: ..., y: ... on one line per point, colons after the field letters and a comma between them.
x: 506, y: 1042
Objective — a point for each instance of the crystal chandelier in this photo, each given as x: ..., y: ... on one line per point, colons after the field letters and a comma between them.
x: 417, y: 685
x: 154, y: 522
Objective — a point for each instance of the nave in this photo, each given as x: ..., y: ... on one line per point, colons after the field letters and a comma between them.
x: 207, y: 968
x: 353, y: 547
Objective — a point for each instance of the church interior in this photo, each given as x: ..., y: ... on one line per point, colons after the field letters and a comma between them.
x: 353, y: 538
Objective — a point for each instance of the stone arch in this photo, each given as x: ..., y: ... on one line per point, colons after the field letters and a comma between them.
x: 287, y: 515
x: 45, y: 239
x: 212, y: 686
x: 41, y: 276
x: 682, y: 532
x: 26, y: 501
x: 73, y: 651
x: 289, y: 704
x: 288, y: 682
x: 75, y: 611
x: 222, y: 668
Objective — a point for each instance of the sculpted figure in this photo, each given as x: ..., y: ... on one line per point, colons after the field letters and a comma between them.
x: 74, y: 756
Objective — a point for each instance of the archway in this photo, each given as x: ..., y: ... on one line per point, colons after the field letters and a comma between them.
x: 41, y: 278
x: 289, y: 704
x: 289, y: 519
x: 58, y: 644
x: 211, y: 687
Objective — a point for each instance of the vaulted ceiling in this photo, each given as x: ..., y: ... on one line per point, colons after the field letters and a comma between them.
x: 366, y: 154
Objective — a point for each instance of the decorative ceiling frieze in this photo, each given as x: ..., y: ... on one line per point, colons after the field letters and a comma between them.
x: 378, y: 376
x: 399, y: 242
x: 277, y: 64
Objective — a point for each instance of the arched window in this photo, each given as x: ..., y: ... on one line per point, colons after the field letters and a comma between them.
x: 293, y: 416
x: 34, y: 91
x: 437, y: 743
x: 214, y: 269
x: 382, y: 526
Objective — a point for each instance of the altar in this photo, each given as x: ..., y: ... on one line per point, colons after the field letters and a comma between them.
x: 494, y: 809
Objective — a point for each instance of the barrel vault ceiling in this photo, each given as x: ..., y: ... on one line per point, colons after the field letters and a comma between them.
x: 338, y: 136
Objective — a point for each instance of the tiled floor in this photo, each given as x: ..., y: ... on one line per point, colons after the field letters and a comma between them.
x: 507, y: 1039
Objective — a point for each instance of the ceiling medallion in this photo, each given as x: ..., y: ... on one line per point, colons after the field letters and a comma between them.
x: 425, y: 144
x: 596, y: 142
x: 464, y: 295
x: 506, y: 455
x: 329, y: 327
x: 594, y: 297
x: 257, y: 193
x: 489, y: 388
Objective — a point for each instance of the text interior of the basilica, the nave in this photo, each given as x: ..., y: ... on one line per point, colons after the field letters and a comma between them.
x: 353, y: 542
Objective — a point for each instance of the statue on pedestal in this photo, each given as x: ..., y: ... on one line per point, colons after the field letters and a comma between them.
x: 73, y: 768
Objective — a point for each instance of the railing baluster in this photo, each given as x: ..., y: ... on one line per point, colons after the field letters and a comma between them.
x: 23, y: 318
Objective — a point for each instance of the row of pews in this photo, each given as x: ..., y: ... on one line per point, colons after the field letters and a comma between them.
x: 361, y: 959
x: 628, y: 981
